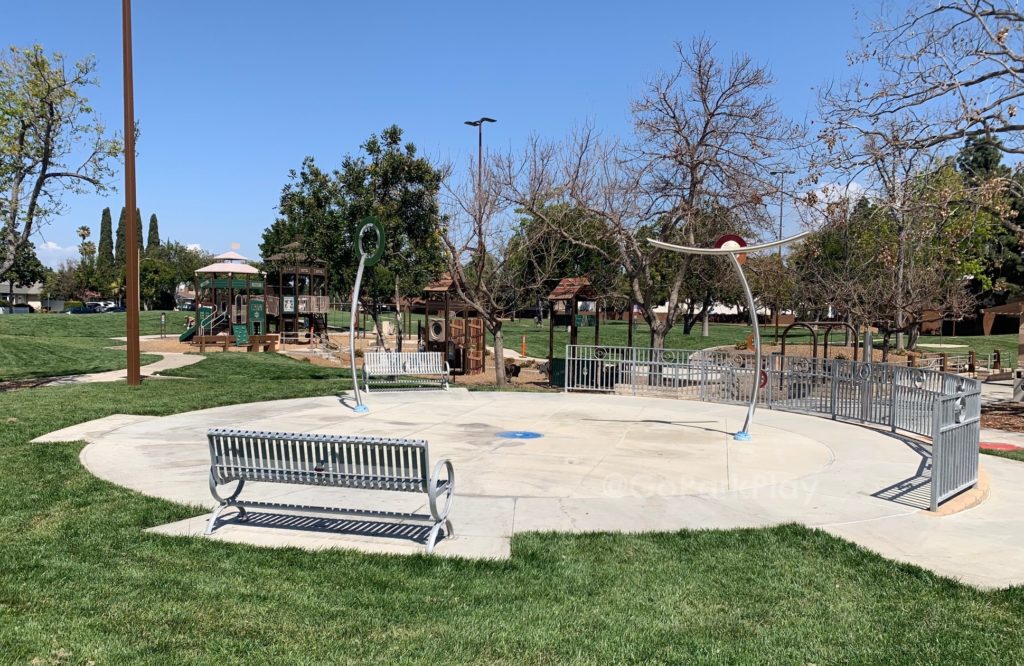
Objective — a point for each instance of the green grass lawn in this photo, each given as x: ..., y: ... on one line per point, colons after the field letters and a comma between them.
x: 48, y: 345
x: 982, y: 345
x: 81, y: 581
x: 1012, y: 455
x: 616, y: 333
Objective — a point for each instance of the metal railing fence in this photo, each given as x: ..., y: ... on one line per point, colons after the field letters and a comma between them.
x: 943, y: 407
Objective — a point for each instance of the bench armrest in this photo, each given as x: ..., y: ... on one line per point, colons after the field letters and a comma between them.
x: 433, y: 489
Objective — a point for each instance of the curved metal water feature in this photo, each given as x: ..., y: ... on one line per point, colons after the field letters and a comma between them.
x: 734, y: 247
x: 365, y: 259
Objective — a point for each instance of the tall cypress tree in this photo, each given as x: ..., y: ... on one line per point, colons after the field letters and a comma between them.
x: 153, y: 237
x: 105, y: 252
x: 138, y: 232
x: 119, y: 256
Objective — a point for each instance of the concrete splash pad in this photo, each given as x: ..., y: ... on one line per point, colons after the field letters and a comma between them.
x: 602, y: 463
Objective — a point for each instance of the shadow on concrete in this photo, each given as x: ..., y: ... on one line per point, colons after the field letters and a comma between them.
x: 348, y: 401
x: 416, y: 533
x: 913, y: 491
x: 681, y: 424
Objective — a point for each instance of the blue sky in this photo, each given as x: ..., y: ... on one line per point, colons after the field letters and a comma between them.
x: 230, y: 95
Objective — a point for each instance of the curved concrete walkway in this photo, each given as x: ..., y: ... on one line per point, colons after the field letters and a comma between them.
x: 168, y: 361
x: 609, y: 463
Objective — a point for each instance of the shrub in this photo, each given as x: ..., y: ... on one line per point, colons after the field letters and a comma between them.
x: 73, y: 304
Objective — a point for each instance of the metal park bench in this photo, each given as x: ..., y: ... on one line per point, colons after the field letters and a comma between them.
x: 406, y: 370
x: 340, y: 461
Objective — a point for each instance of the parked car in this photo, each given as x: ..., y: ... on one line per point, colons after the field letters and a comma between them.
x: 85, y: 309
x: 115, y: 308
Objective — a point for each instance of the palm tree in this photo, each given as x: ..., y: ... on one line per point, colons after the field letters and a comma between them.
x: 83, y: 233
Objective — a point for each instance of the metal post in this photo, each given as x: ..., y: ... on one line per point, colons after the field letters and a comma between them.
x: 737, y: 247
x: 782, y: 185
x: 744, y: 433
x: 782, y: 182
x: 834, y: 393
x: 629, y: 320
x: 131, y: 233
x: 892, y: 402
x: 937, y: 452
x: 360, y: 407
x: 479, y: 161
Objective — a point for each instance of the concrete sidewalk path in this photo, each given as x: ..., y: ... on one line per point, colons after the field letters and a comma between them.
x: 170, y: 360
x: 603, y: 463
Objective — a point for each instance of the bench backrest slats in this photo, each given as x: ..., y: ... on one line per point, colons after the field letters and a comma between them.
x: 404, y: 363
x: 334, y: 460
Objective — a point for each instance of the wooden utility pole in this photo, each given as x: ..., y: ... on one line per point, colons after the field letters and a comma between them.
x: 131, y: 231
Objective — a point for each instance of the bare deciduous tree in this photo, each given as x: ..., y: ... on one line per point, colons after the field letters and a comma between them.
x: 956, y: 66
x: 484, y: 246
x: 707, y: 137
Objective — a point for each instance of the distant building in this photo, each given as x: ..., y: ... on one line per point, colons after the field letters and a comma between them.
x: 33, y: 295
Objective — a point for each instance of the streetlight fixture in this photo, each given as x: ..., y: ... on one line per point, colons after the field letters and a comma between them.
x: 781, y: 173
x: 479, y: 124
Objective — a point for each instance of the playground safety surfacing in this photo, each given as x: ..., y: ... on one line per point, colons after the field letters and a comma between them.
x: 602, y: 463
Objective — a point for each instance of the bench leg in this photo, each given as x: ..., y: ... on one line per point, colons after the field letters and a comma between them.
x: 225, y: 502
x: 440, y: 515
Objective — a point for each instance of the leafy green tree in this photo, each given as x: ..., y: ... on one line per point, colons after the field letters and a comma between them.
x: 164, y: 267
x: 980, y: 163
x: 309, y: 206
x: 64, y: 283
x: 51, y: 142
x: 388, y: 180
x: 105, y: 254
x: 893, y: 268
x: 540, y: 255
x: 156, y: 283
x: 153, y: 235
x: 26, y: 269
x: 183, y: 259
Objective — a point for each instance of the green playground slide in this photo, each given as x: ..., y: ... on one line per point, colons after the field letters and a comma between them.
x: 206, y: 316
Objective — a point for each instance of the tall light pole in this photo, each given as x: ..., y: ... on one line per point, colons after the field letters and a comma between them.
x: 782, y: 173
x: 479, y: 124
x: 131, y: 234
